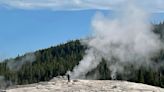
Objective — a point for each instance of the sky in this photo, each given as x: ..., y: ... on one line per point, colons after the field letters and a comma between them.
x: 30, y: 25
x: 25, y: 31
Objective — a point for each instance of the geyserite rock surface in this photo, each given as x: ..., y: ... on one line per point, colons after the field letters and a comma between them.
x: 62, y: 85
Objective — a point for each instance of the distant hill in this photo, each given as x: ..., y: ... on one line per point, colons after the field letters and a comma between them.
x: 45, y: 64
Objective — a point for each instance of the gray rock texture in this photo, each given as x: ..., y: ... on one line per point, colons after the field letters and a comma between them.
x: 62, y: 85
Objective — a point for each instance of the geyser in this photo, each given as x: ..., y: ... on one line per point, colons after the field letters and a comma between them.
x: 128, y: 38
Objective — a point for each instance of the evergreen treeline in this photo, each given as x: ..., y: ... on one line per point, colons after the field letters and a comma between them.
x: 58, y: 60
x: 49, y: 63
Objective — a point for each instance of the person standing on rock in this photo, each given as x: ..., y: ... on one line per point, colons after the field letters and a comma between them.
x: 68, y: 77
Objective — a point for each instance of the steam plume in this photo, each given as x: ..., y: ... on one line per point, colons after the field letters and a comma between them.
x: 128, y: 39
x: 17, y: 64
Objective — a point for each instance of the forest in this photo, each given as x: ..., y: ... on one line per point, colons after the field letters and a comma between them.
x: 57, y: 60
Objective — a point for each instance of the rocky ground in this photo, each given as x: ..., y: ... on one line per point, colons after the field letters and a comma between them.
x: 62, y: 85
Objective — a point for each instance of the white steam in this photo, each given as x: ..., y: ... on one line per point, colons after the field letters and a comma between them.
x: 16, y: 64
x: 128, y: 38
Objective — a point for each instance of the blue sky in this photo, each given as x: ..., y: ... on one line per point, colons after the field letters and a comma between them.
x: 30, y: 25
x: 24, y: 31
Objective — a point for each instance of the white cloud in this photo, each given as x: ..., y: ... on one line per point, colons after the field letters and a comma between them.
x: 150, y: 5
